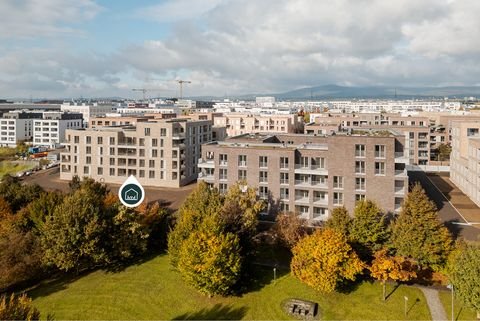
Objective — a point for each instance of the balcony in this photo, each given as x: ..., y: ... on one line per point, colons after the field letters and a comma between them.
x: 302, y: 200
x: 301, y: 169
x: 401, y: 173
x: 177, y: 136
x: 400, y: 157
x: 320, y: 201
x: 242, y: 164
x: 223, y: 163
x: 399, y: 190
x: 206, y: 163
x: 306, y: 183
x: 206, y: 177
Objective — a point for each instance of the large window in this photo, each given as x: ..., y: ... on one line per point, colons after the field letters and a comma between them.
x: 359, y: 167
x: 263, y: 161
x: 360, y: 183
x: 359, y: 150
x: 379, y: 168
x: 263, y: 177
x: 222, y: 173
x: 283, y: 162
x: 337, y: 198
x: 337, y: 181
x: 380, y: 151
x: 242, y: 160
x: 263, y: 192
x: 223, y: 159
x: 283, y: 178
x: 284, y: 193
x: 242, y: 174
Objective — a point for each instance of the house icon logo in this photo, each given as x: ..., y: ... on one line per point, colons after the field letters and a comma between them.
x: 131, y: 193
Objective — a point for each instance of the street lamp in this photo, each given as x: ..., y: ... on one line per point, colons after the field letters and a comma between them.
x: 406, y: 304
x: 450, y: 286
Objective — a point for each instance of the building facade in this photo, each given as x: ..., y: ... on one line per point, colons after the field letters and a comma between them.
x: 17, y: 126
x: 161, y: 153
x: 311, y: 175
x: 465, y: 158
x: 88, y: 110
x: 50, y: 129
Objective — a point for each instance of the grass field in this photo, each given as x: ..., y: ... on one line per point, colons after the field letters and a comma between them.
x: 152, y: 290
x: 8, y: 167
x: 459, y: 310
x: 7, y: 152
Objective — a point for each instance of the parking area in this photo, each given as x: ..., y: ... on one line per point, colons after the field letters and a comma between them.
x: 171, y: 197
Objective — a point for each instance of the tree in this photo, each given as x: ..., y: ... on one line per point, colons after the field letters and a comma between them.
x: 20, y: 257
x: 464, y: 273
x: 16, y: 194
x: 324, y: 259
x: 201, y: 202
x: 340, y: 221
x: 418, y: 233
x: 395, y: 268
x: 211, y: 262
x: 156, y: 218
x: 74, y: 235
x: 289, y: 229
x: 42, y: 207
x: 368, y: 230
x: 18, y: 308
x: 444, y: 151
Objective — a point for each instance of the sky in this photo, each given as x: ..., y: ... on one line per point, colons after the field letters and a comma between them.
x: 100, y: 48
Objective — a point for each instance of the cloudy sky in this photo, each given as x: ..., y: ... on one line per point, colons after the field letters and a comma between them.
x: 93, y: 48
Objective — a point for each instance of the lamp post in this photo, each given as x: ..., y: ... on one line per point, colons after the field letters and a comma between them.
x: 274, y: 274
x: 406, y: 304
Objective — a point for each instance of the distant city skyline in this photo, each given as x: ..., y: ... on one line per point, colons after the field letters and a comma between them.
x: 99, y: 48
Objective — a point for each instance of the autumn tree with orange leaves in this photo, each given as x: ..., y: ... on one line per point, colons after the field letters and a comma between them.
x: 396, y: 268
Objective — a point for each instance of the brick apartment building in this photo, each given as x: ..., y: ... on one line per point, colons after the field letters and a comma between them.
x: 160, y: 153
x: 311, y: 174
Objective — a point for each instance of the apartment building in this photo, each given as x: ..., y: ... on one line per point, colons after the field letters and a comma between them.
x: 17, y: 126
x: 50, y: 129
x: 161, y: 153
x: 87, y: 110
x: 241, y: 123
x: 465, y: 158
x: 117, y: 120
x: 309, y: 174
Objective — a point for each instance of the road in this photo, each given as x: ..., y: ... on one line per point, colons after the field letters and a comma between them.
x: 446, y: 211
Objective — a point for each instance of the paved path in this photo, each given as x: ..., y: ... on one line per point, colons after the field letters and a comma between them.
x: 437, y: 311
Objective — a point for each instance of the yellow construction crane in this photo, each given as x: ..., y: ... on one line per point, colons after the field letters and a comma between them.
x: 181, y: 82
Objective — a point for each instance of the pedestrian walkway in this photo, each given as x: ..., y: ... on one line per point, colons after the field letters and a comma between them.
x: 434, y: 304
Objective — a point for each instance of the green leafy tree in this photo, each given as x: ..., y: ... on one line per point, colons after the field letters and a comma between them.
x: 202, y: 202
x: 464, y: 274
x: 211, y: 262
x: 444, y: 151
x: 16, y: 194
x: 42, y: 207
x: 396, y: 268
x: 340, y: 221
x: 74, y: 235
x: 324, y: 259
x: 418, y: 233
x: 368, y: 231
x: 289, y: 229
x: 17, y: 308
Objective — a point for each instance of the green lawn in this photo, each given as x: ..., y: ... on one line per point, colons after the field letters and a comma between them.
x: 152, y: 290
x: 8, y: 167
x: 460, y: 311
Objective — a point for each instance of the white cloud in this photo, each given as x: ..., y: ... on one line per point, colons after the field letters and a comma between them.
x: 177, y: 10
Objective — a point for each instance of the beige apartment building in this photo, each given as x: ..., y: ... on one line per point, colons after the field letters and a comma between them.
x: 160, y: 153
x: 240, y: 123
x: 465, y: 158
x: 311, y: 174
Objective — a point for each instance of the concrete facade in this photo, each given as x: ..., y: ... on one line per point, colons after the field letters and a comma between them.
x: 311, y: 175
x: 465, y: 158
x: 160, y: 153
x: 50, y: 129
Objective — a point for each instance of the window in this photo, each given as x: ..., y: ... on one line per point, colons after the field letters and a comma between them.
x: 112, y: 171
x: 283, y: 178
x: 337, y: 198
x: 359, y: 167
x: 359, y: 150
x: 319, y: 212
x: 284, y: 207
x: 263, y: 177
x: 100, y: 170
x: 242, y: 160
x: 88, y: 160
x: 142, y: 163
x: 380, y: 151
x: 303, y: 161
x: 151, y: 174
x: 360, y: 183
x: 283, y: 162
x: 263, y: 161
x: 263, y: 192
x: 151, y: 163
x: 147, y: 131
x: 222, y: 188
x: 141, y: 173
x: 86, y: 170
x: 163, y: 132
x: 359, y: 197
x: 223, y: 159
x: 112, y: 140
x: 141, y: 152
x: 242, y: 174
x: 88, y: 139
x: 379, y: 168
x: 284, y: 193
x: 223, y: 173
x: 154, y: 153
x: 319, y: 196
x: 318, y: 162
x: 99, y: 140
x: 154, y: 142
x: 337, y: 181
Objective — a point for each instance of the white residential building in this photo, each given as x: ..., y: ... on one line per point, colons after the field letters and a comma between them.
x: 17, y: 126
x: 87, y: 110
x: 50, y: 129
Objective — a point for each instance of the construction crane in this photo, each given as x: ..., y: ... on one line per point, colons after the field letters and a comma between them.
x: 181, y: 82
